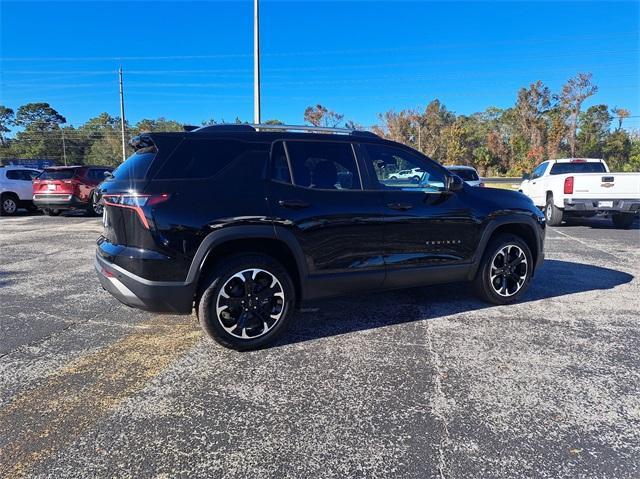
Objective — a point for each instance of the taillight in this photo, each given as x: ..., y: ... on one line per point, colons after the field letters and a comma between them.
x: 568, y: 185
x: 135, y: 203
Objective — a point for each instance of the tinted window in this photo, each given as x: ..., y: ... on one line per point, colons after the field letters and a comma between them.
x: 58, y: 174
x: 96, y: 174
x: 465, y: 174
x: 539, y: 171
x: 387, y: 162
x: 198, y: 159
x: 136, y: 166
x: 563, y: 168
x: 279, y: 164
x: 18, y: 175
x: 323, y: 165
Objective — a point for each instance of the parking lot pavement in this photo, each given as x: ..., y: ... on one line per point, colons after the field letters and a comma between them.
x: 422, y: 383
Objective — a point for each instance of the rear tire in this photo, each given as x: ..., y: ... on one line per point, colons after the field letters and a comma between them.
x: 8, y: 204
x: 623, y: 220
x: 552, y: 213
x: 246, y: 302
x: 505, y: 270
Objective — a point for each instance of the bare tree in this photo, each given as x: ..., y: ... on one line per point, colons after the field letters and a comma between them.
x: 321, y: 116
x: 621, y: 114
x: 574, y: 93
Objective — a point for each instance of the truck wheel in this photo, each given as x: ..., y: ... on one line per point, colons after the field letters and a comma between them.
x: 505, y: 270
x: 623, y: 220
x: 246, y: 302
x: 552, y: 213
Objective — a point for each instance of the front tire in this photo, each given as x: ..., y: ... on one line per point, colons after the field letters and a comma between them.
x: 505, y: 270
x: 246, y: 302
x: 623, y: 220
x: 552, y: 213
x: 95, y: 207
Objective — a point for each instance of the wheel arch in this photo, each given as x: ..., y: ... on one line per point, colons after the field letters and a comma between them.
x: 523, y: 227
x: 273, y: 241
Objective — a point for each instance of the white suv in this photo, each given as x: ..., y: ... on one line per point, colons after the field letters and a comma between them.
x: 413, y: 174
x: 16, y: 190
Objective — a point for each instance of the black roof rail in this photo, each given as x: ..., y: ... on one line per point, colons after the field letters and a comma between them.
x: 240, y: 127
x: 225, y: 127
x: 314, y: 129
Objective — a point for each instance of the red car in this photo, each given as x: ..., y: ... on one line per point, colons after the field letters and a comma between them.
x: 69, y: 188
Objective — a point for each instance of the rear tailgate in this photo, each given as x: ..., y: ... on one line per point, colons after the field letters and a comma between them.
x: 55, y: 181
x: 606, y: 185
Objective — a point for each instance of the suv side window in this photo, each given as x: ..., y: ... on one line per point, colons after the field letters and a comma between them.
x: 388, y: 163
x: 539, y: 171
x: 279, y: 164
x: 21, y: 175
x: 200, y: 159
x: 323, y: 165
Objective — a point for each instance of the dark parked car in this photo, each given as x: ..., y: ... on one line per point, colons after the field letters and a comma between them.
x: 242, y: 223
x: 69, y: 188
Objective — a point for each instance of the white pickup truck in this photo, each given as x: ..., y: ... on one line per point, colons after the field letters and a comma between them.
x: 575, y: 187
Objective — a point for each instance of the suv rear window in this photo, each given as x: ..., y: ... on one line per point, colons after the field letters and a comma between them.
x: 466, y: 175
x: 136, y: 166
x: 564, y: 168
x: 200, y: 159
x: 63, y: 174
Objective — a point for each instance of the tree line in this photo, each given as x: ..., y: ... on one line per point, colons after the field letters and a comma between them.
x: 497, y: 141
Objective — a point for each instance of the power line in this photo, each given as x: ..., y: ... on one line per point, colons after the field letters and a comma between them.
x: 314, y: 53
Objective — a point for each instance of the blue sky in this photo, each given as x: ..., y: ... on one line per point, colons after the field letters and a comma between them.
x: 191, y: 61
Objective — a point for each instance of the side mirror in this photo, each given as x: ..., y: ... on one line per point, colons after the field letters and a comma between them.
x: 454, y: 183
x: 526, y: 176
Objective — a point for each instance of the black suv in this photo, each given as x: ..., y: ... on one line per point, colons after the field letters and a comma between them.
x: 243, y: 222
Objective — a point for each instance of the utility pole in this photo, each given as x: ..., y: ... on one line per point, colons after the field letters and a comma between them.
x: 122, y: 120
x: 256, y: 63
x: 419, y: 137
x: 64, y: 148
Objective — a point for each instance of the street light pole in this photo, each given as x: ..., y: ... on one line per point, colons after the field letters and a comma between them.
x: 122, y: 120
x: 256, y: 63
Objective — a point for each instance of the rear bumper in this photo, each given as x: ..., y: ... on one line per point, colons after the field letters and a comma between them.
x: 156, y: 296
x: 58, y: 201
x: 589, y: 205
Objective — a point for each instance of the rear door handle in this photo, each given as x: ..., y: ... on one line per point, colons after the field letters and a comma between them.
x: 400, y: 206
x: 295, y: 204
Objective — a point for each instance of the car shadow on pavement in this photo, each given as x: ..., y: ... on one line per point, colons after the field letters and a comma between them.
x: 596, y: 223
x: 336, y: 316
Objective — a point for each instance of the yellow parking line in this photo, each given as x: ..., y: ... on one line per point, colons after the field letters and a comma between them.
x: 40, y: 422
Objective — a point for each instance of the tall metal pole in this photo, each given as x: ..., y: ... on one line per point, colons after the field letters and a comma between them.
x: 122, y: 120
x: 64, y: 148
x: 256, y: 63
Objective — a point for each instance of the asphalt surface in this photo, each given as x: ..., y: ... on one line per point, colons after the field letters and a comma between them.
x: 424, y: 383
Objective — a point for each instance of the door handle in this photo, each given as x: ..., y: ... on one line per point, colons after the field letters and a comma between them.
x: 295, y: 204
x: 400, y: 206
